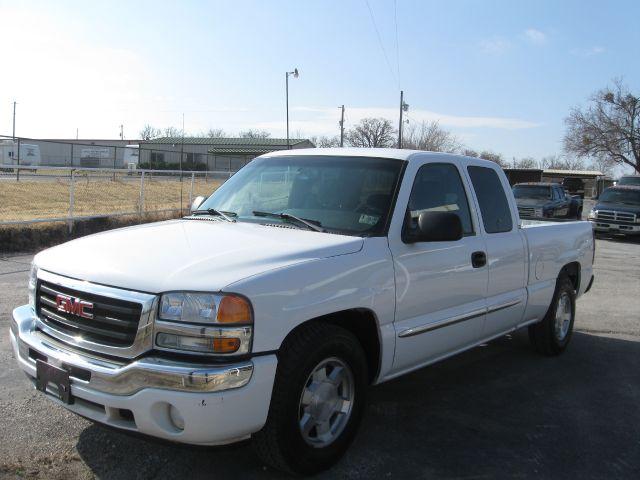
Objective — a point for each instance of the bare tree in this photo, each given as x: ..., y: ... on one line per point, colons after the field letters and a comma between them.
x: 325, y: 142
x: 470, y: 153
x: 604, y: 164
x: 610, y: 126
x: 526, y: 162
x: 215, y: 133
x: 172, y: 132
x: 430, y: 136
x: 559, y: 162
x: 254, y: 134
x: 493, y: 157
x: 149, y: 133
x: 372, y: 132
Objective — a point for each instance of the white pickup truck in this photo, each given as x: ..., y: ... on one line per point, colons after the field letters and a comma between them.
x: 306, y: 277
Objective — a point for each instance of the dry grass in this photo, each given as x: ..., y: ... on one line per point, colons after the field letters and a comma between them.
x: 30, y: 199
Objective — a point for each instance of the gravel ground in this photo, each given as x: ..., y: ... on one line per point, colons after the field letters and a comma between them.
x: 498, y: 411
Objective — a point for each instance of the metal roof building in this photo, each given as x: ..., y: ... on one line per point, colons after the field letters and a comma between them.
x: 215, y: 153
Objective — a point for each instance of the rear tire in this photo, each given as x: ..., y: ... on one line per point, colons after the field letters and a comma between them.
x: 552, y: 335
x: 318, y: 400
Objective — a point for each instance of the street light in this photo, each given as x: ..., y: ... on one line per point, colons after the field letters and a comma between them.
x: 295, y: 75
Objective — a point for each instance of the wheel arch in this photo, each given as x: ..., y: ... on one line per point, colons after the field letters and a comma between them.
x: 572, y: 270
x: 363, y: 324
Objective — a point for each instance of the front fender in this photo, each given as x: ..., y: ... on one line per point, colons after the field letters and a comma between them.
x: 284, y: 298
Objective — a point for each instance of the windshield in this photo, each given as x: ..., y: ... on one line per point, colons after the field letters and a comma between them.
x: 629, y: 181
x: 612, y: 195
x: 531, y: 191
x: 350, y: 195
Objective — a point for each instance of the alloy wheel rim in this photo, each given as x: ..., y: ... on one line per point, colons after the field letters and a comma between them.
x: 563, y: 317
x: 326, y: 402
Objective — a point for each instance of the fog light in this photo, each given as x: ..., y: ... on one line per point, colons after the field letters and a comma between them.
x: 176, y: 418
x: 198, y: 344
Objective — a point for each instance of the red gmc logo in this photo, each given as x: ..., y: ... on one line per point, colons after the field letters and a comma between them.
x: 74, y: 306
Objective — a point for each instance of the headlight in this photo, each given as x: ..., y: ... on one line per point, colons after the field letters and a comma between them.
x: 593, y: 214
x: 204, y: 323
x: 538, y: 212
x: 204, y: 308
x: 33, y: 282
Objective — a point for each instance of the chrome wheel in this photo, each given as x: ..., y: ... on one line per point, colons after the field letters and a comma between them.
x: 326, y: 402
x: 563, y: 316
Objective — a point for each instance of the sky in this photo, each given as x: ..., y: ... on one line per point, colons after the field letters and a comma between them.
x: 500, y: 75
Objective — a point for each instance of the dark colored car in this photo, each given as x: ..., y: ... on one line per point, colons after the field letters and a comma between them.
x: 617, y: 210
x: 629, y: 180
x: 546, y: 200
x: 573, y: 185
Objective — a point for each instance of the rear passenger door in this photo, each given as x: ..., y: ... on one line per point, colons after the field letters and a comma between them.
x: 440, y: 293
x: 506, y: 251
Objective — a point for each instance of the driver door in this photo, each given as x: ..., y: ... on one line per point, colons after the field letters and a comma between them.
x: 440, y: 288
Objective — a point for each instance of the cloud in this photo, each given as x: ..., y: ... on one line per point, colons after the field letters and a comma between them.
x: 323, y: 121
x: 495, y: 45
x: 588, y: 52
x: 535, y: 37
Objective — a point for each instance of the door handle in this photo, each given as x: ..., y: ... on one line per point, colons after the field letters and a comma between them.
x: 478, y: 259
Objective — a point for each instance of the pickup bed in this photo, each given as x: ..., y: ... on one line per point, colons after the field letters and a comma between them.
x: 306, y: 277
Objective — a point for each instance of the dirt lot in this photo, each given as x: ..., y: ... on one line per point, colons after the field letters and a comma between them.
x: 498, y: 411
x: 48, y: 197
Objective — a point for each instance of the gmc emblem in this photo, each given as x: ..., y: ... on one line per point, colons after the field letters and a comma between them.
x: 74, y: 306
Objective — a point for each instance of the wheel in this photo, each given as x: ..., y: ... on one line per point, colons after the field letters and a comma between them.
x: 318, y: 400
x: 552, y: 335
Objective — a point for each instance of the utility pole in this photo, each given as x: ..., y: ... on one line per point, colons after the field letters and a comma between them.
x: 295, y: 75
x: 121, y: 132
x: 14, y: 122
x: 403, y: 108
x: 76, y: 133
x: 342, y: 127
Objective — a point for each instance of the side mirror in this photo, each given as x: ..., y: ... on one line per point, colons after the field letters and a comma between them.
x: 436, y: 227
x: 196, y: 203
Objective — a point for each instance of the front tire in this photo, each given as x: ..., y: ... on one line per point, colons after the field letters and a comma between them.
x: 552, y: 335
x: 318, y: 400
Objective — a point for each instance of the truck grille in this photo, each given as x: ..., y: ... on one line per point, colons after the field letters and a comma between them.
x: 114, y: 322
x: 615, y: 216
x: 526, y: 212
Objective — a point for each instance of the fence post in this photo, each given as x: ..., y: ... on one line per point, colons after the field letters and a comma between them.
x: 115, y: 153
x: 18, y: 169
x: 71, y: 200
x: 193, y: 176
x: 141, y: 207
x: 71, y: 162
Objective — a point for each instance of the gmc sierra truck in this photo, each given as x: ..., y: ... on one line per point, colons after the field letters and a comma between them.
x: 309, y: 275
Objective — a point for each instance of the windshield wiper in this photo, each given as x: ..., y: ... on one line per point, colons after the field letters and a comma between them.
x: 212, y: 211
x: 317, y: 226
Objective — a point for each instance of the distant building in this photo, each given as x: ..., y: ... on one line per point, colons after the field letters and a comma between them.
x: 589, y: 177
x: 213, y: 153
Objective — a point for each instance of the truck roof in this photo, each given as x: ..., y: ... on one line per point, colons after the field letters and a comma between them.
x: 395, y: 153
x: 537, y: 184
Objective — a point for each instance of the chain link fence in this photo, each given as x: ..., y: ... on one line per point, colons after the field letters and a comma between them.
x: 32, y: 194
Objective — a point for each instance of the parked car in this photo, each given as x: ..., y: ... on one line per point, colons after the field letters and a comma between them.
x: 304, y: 278
x: 546, y: 200
x: 629, y: 180
x: 574, y: 185
x: 617, y: 210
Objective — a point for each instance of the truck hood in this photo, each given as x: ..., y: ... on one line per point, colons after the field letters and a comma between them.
x: 203, y: 255
x: 532, y: 202
x: 618, y: 207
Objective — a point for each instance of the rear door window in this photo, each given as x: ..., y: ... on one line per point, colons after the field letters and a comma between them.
x: 494, y: 206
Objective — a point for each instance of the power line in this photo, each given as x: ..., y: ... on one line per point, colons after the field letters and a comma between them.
x: 384, y: 52
x: 395, y: 21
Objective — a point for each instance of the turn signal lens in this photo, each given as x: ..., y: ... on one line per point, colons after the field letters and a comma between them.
x: 234, y: 309
x: 226, y: 345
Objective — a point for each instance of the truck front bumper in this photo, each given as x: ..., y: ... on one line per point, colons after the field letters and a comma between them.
x: 615, y: 227
x: 198, y: 404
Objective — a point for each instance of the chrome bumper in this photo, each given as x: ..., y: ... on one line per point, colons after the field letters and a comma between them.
x: 119, y: 378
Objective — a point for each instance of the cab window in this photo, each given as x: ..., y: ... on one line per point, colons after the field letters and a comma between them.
x: 438, y: 188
